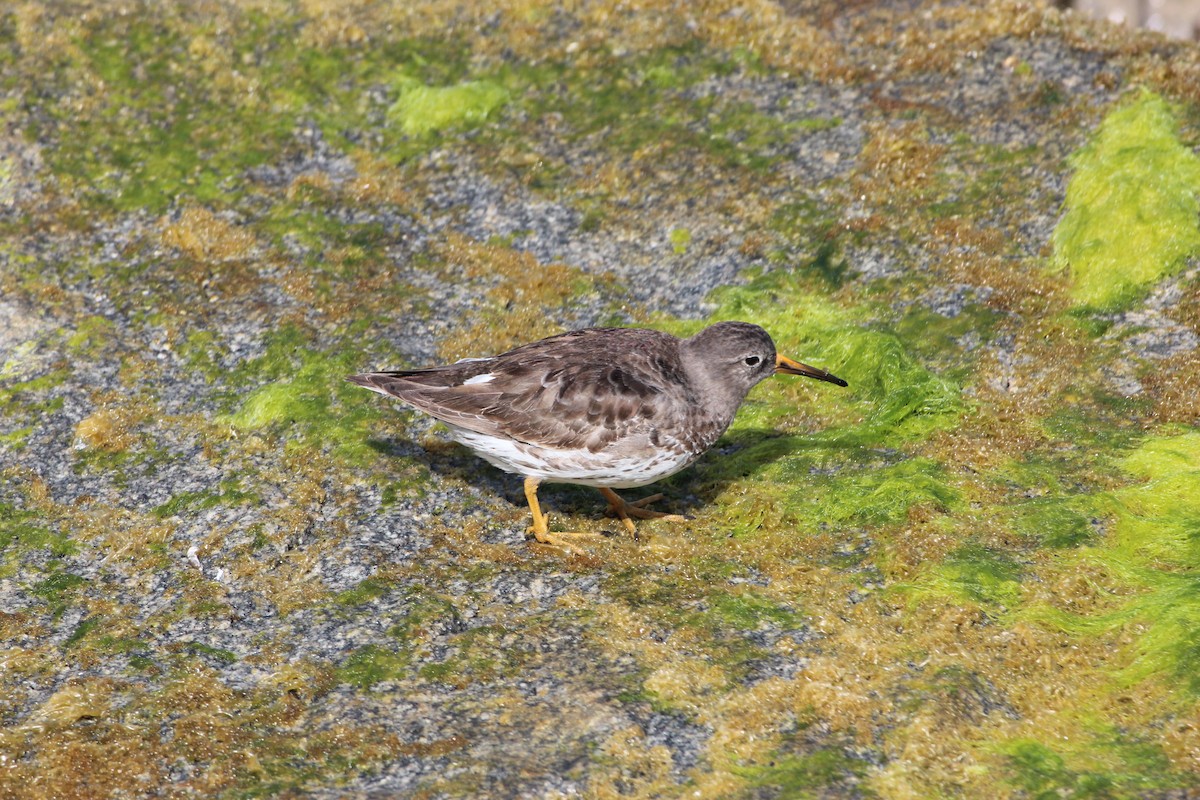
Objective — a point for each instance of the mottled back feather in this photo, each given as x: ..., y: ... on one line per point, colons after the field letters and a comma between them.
x: 585, y: 389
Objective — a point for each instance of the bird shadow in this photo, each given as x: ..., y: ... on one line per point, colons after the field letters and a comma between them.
x: 736, y: 456
x: 447, y: 459
x: 456, y: 463
x: 747, y: 452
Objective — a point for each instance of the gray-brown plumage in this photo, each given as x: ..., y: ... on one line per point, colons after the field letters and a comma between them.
x: 604, y: 407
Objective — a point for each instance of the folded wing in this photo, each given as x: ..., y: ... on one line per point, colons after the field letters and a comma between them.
x: 590, y: 395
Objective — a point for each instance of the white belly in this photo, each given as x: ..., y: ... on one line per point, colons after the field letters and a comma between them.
x: 608, y: 468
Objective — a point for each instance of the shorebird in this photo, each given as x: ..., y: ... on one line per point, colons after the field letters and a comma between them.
x: 613, y: 408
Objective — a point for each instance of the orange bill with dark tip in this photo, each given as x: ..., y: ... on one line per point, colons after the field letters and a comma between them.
x: 785, y: 366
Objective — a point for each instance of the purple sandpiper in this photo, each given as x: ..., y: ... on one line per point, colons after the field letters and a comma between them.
x: 613, y: 408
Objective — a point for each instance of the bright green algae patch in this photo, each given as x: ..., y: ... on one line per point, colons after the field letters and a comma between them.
x: 306, y: 393
x: 1133, y: 206
x: 1150, y: 603
x: 1154, y: 542
x: 427, y: 109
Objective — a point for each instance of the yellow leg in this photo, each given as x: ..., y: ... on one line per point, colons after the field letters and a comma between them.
x: 625, y: 510
x: 541, y: 528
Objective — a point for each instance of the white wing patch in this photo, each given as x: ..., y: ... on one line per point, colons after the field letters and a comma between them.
x: 486, y: 377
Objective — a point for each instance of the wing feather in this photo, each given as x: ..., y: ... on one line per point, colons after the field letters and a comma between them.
x: 584, y: 389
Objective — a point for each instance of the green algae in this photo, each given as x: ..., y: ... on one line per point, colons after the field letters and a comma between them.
x: 903, y: 400
x: 1112, y: 767
x: 24, y: 396
x: 680, y: 239
x: 58, y: 590
x: 424, y: 608
x: 804, y: 223
x: 972, y: 573
x: 945, y: 344
x: 229, y: 492
x: 201, y: 351
x: 1155, y: 519
x: 23, y: 530
x: 1153, y: 544
x: 747, y: 611
x: 440, y: 671
x: 1132, y: 206
x: 983, y: 574
x: 649, y: 102
x: 1164, y: 457
x: 808, y: 775
x: 367, y: 590
x: 305, y: 396
x: 163, y: 145
x: 1098, y: 419
x: 828, y: 264
x: 16, y: 439
x: 83, y: 629
x: 176, y: 111
x: 422, y: 110
x: 1155, y: 538
x: 406, y: 480
x: 1055, y: 522
x: 867, y: 494
x: 311, y: 224
x: 218, y: 654
x: 133, y: 647
x: 1144, y: 537
x: 90, y: 334
x: 92, y: 637
x: 372, y: 664
x: 906, y: 401
x: 16, y: 359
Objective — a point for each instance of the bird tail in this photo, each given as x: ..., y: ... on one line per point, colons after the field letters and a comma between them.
x: 381, y: 382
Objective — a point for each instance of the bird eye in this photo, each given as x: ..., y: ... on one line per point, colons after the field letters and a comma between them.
x: 752, y: 361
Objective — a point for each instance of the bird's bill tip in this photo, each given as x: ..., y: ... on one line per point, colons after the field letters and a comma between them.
x: 785, y: 366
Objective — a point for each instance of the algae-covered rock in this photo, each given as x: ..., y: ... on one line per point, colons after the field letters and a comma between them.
x: 227, y: 572
x: 1132, y: 205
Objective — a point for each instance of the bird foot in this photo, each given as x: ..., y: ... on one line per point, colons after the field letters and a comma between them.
x: 627, y: 512
x: 645, y: 501
x: 541, y: 524
x: 637, y: 509
x: 560, y: 539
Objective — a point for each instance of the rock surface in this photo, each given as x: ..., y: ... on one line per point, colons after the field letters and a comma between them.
x: 227, y: 573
